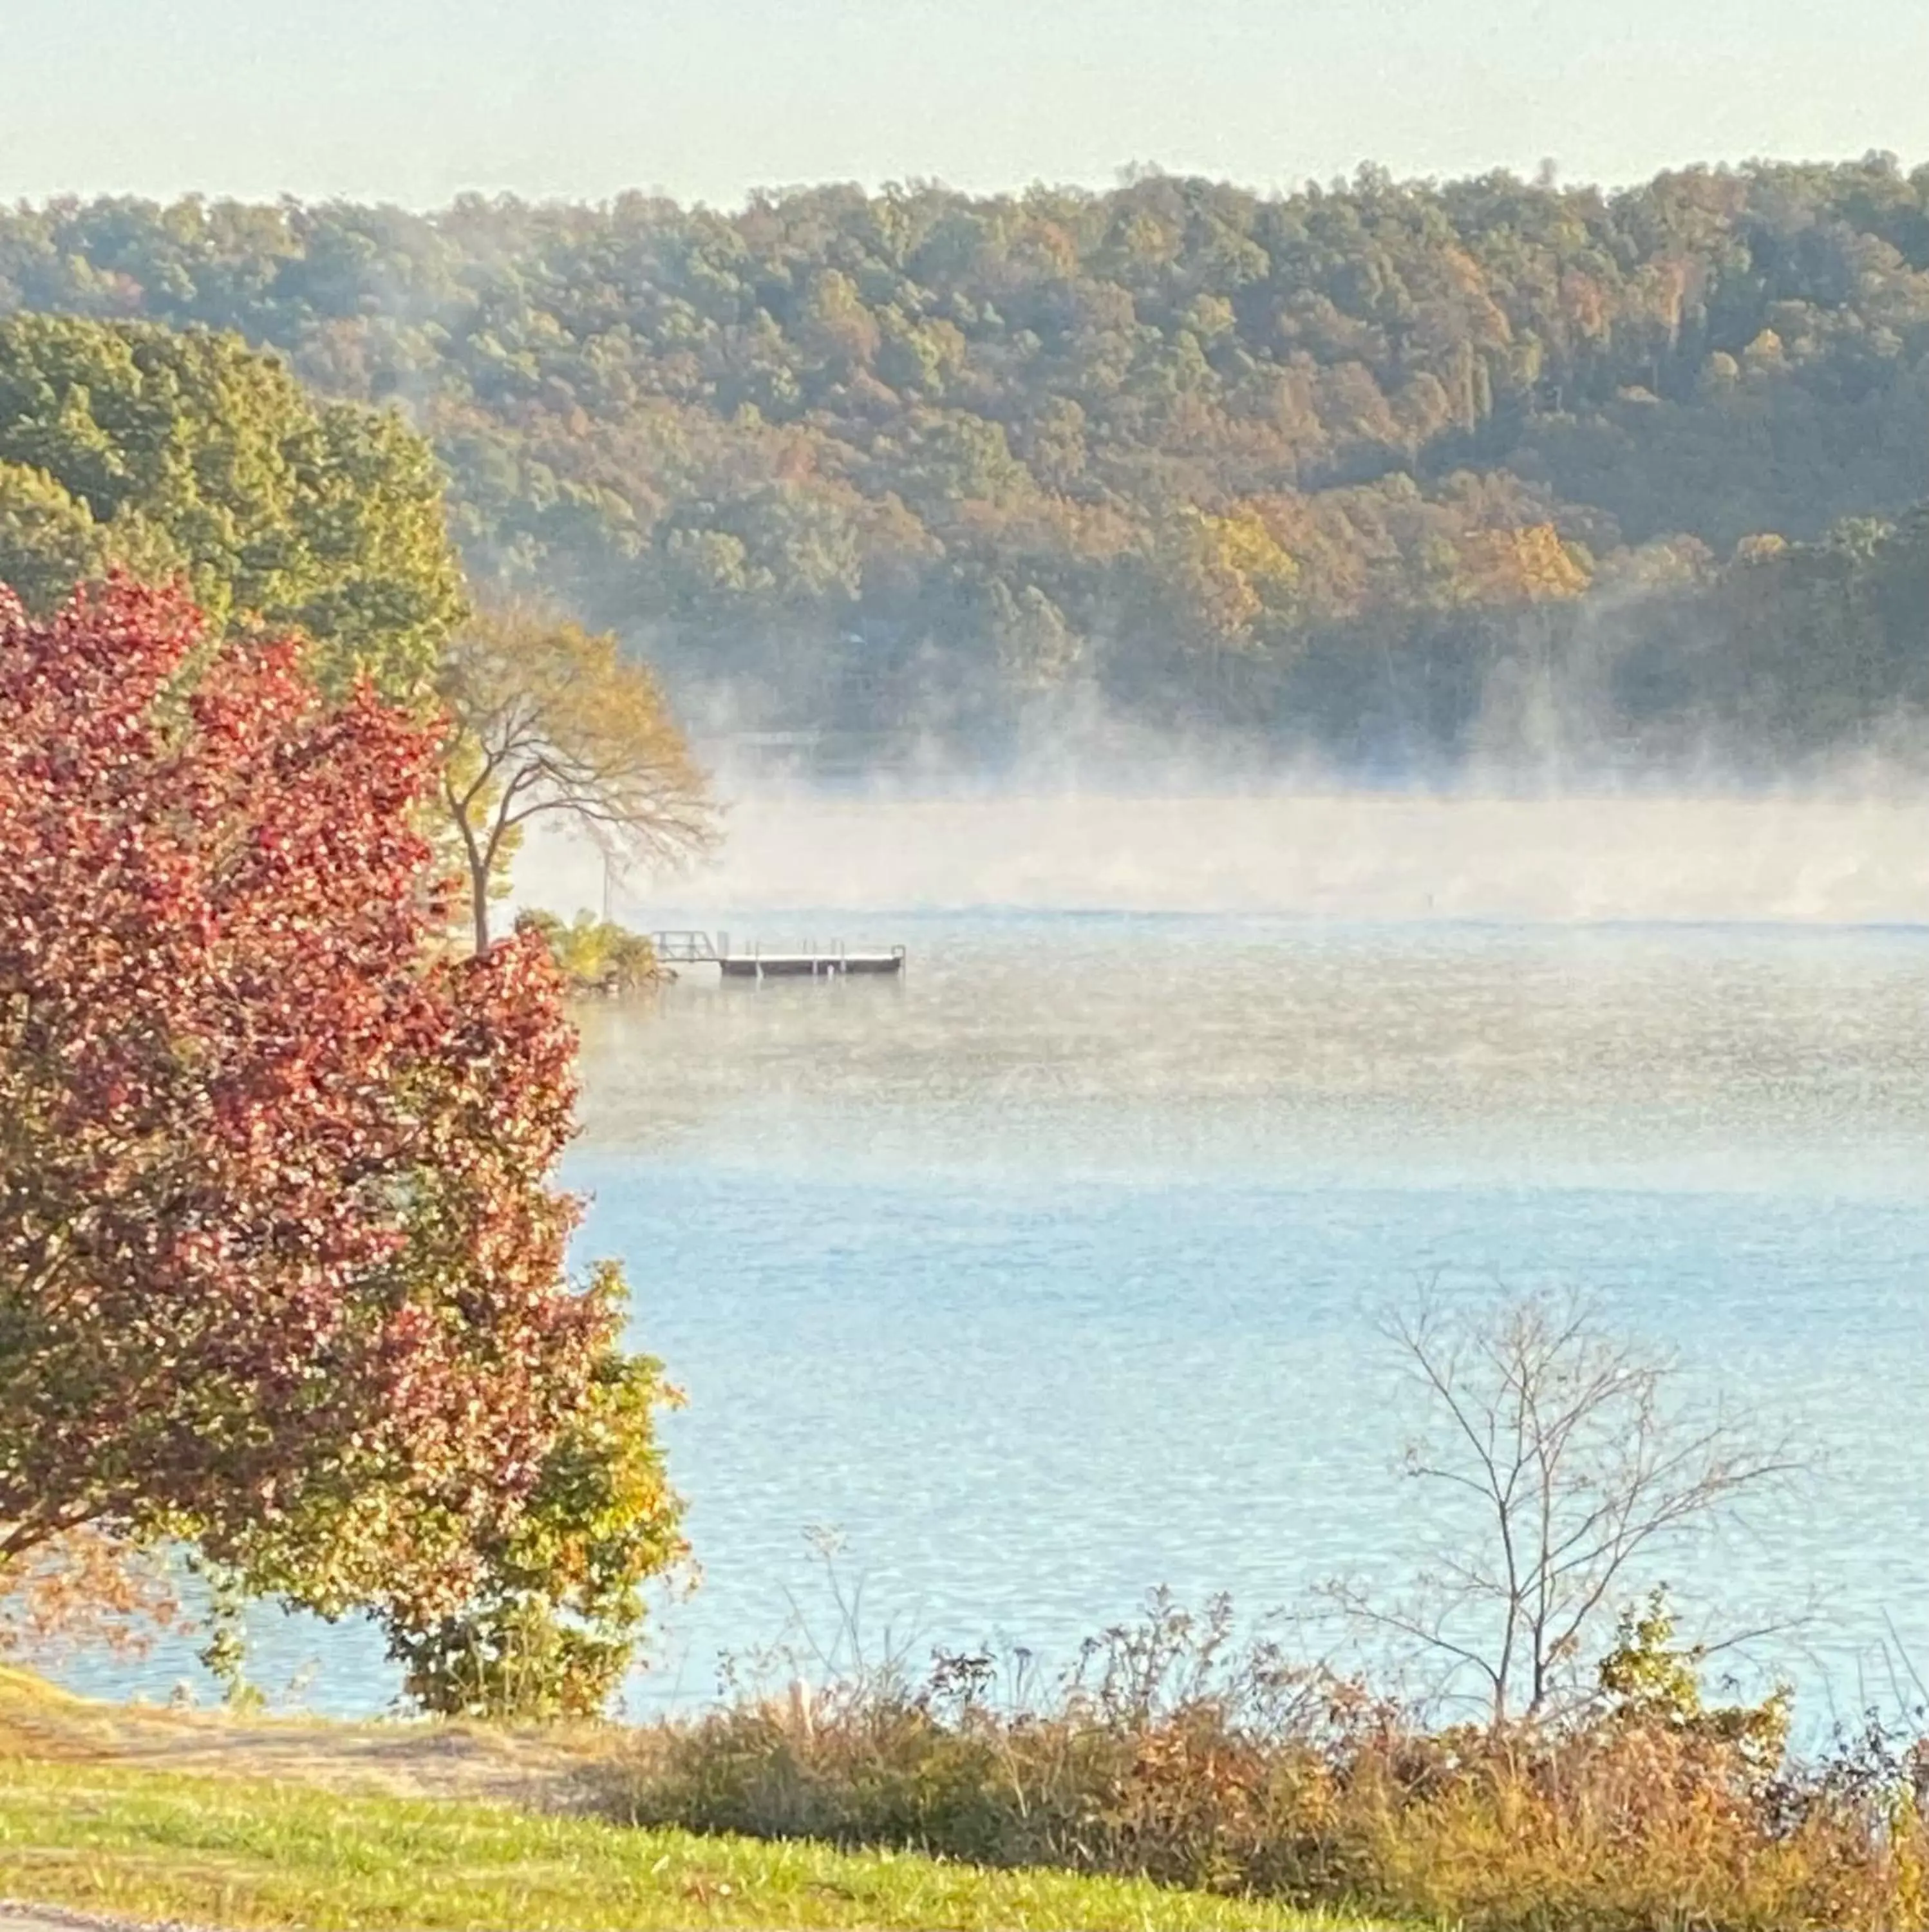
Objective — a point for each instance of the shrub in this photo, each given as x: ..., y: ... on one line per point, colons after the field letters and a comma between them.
x: 594, y: 955
x: 556, y: 1618
x: 1171, y: 1753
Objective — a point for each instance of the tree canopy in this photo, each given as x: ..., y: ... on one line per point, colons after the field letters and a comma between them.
x: 545, y: 720
x: 1315, y: 465
x: 282, y: 1263
x: 164, y: 451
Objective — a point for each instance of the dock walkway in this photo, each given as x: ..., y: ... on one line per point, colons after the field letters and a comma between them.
x: 833, y: 962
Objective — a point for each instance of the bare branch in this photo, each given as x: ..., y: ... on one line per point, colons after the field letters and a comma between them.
x: 547, y: 720
x: 1585, y: 1468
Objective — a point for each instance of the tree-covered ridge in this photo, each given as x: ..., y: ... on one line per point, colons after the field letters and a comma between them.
x: 1296, y: 463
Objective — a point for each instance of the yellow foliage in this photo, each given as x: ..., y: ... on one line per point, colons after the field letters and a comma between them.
x: 1233, y: 570
x: 545, y: 718
x: 1529, y: 565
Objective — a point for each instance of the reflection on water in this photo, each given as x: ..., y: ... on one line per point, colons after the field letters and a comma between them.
x: 1049, y: 1274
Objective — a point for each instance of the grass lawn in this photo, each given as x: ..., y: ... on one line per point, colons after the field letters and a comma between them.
x: 232, y: 1852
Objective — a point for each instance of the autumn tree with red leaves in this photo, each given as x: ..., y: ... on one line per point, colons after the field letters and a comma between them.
x: 282, y: 1264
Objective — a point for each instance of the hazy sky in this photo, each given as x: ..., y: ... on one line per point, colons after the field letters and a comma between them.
x: 415, y: 101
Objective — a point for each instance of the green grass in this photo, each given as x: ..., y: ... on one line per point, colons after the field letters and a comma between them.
x: 230, y: 1853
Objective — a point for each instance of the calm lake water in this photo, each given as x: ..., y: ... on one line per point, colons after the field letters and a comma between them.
x: 1051, y: 1274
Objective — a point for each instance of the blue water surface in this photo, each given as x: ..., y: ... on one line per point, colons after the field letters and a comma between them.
x: 1055, y: 1273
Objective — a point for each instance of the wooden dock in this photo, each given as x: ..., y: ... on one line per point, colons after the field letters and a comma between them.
x: 835, y: 961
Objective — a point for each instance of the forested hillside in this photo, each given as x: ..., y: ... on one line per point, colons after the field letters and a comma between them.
x: 1396, y: 472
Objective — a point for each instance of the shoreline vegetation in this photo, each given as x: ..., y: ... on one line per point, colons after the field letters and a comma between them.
x: 597, y: 957
x: 1177, y: 1776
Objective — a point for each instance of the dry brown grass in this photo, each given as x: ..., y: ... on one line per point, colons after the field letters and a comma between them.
x: 1256, y: 1780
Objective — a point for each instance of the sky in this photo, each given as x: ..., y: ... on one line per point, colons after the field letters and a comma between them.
x: 415, y: 101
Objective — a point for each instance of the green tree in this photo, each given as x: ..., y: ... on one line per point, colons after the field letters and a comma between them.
x: 127, y: 444
x: 595, y: 953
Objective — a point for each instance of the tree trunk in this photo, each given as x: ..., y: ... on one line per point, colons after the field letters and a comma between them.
x: 478, y: 900
x: 478, y: 866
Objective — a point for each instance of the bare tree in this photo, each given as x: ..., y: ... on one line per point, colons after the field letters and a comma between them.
x: 547, y: 718
x: 1585, y: 1465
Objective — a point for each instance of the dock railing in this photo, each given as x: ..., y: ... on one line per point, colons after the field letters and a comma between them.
x: 686, y: 948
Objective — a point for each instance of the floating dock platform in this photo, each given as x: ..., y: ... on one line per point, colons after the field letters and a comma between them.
x: 810, y: 961
x: 811, y: 965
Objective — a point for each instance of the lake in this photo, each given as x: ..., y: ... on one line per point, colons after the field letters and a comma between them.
x: 1052, y: 1272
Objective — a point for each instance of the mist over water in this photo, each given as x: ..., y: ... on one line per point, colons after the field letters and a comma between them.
x: 1334, y: 855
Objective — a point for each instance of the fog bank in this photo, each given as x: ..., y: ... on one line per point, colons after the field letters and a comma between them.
x: 1320, y: 855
